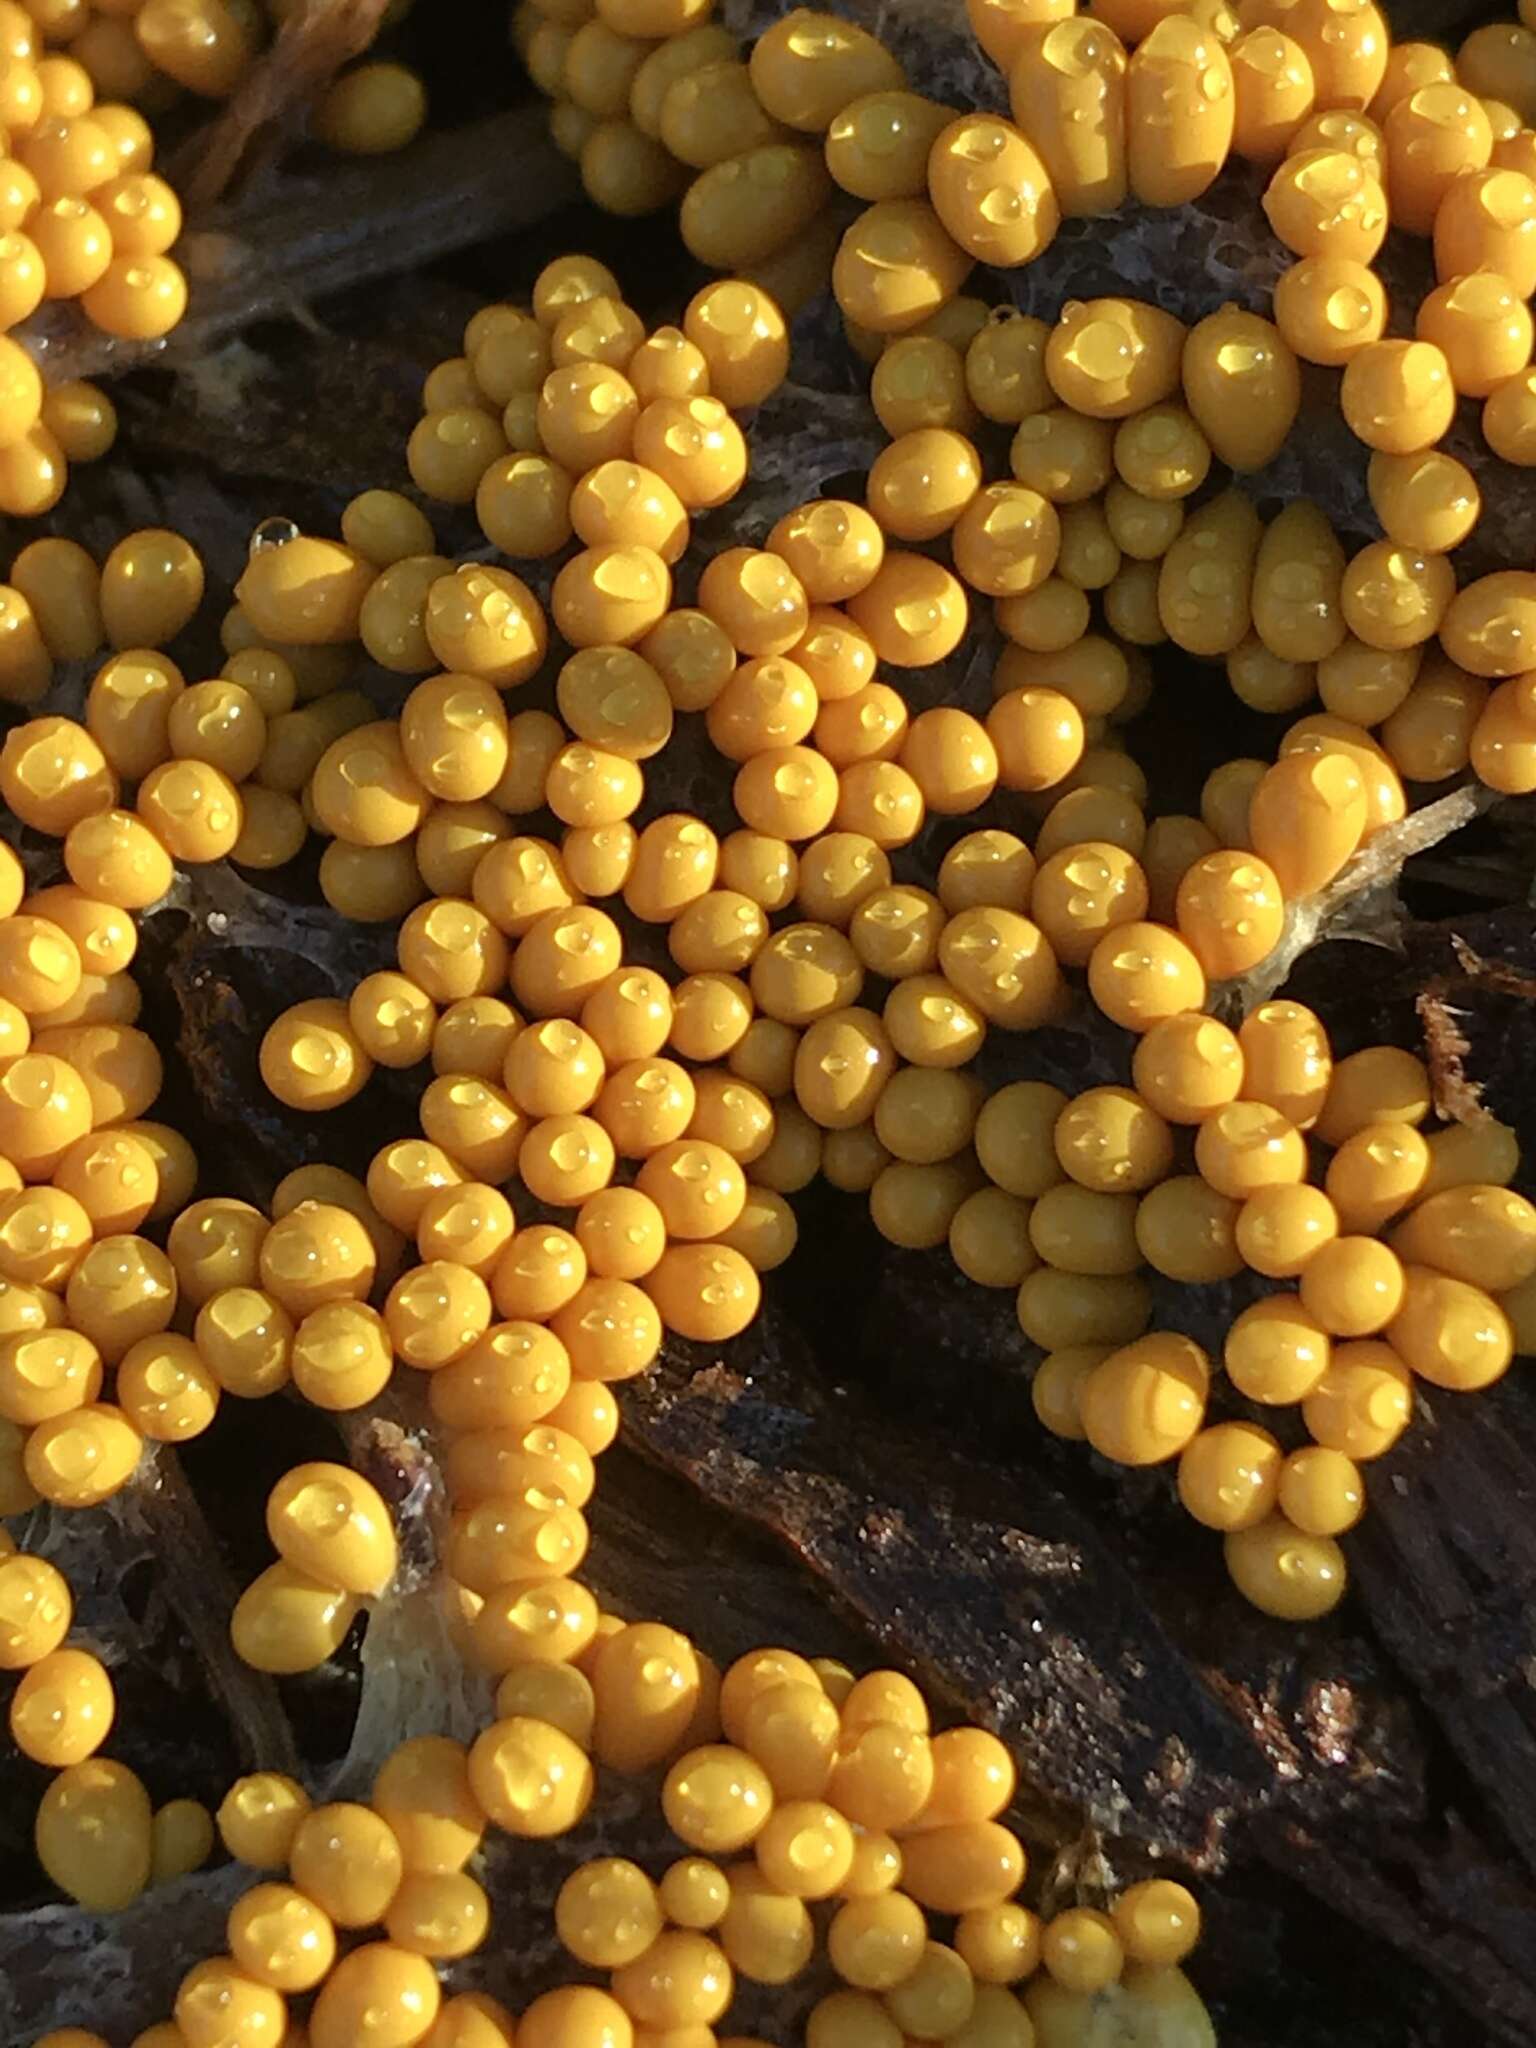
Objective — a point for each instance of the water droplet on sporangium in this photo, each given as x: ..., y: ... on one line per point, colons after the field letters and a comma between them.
x: 272, y: 533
